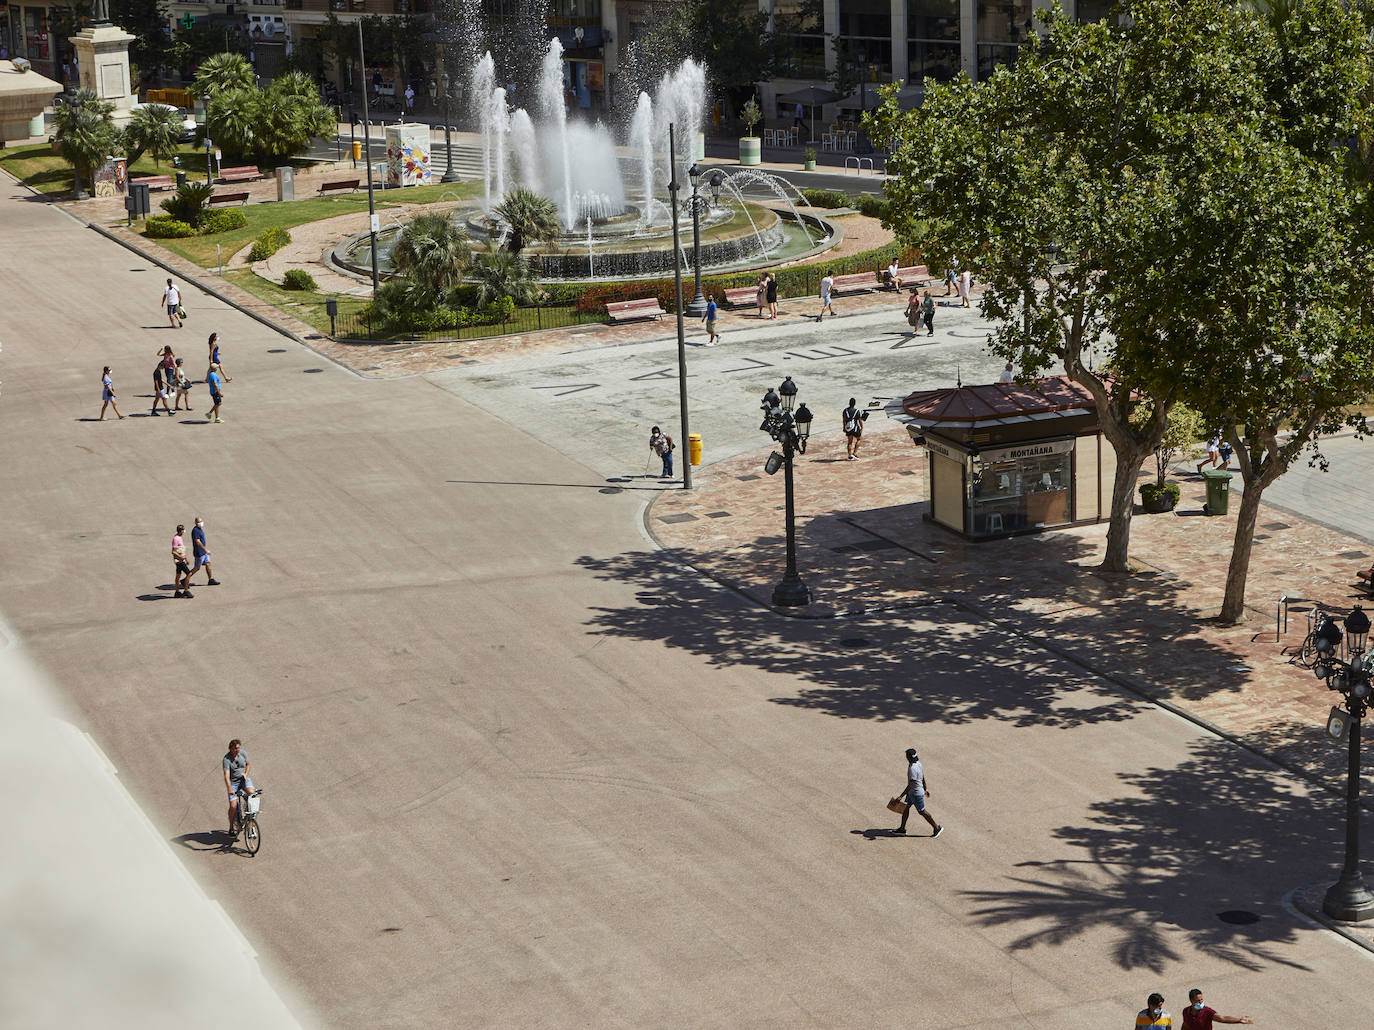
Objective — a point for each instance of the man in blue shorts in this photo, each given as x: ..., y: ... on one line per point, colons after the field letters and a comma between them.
x: 199, y: 555
x: 215, y: 380
x: 235, y: 776
x: 916, y: 792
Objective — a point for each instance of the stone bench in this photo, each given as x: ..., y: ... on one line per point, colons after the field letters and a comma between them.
x: 629, y: 310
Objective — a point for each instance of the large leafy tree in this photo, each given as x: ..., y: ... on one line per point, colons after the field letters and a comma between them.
x: 1094, y: 187
x: 729, y: 39
x: 526, y: 216
x: 85, y: 131
x: 432, y: 252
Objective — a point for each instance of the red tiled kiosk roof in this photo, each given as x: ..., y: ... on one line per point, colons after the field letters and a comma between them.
x: 997, y: 403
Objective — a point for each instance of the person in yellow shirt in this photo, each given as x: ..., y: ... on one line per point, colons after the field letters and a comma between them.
x: 1153, y: 1014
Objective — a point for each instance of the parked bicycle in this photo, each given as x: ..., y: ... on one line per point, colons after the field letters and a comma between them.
x: 246, y: 820
x: 1307, y: 652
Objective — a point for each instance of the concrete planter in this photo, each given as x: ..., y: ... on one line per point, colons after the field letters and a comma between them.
x: 750, y: 150
x: 809, y: 165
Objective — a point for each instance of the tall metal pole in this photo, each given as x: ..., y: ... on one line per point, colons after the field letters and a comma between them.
x: 1348, y: 899
x: 450, y: 174
x: 697, y: 308
x: 790, y: 592
x: 681, y: 332
x: 367, y: 156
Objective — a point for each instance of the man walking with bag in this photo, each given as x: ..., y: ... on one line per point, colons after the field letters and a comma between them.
x: 916, y: 792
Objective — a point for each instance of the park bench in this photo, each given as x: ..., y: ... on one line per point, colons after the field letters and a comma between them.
x: 229, y: 198
x: 340, y: 184
x: 153, y: 182
x: 1367, y: 575
x: 242, y: 173
x: 628, y: 310
x: 743, y: 297
x: 857, y: 281
x: 912, y: 275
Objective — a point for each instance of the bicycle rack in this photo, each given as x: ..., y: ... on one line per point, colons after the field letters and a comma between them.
x: 859, y: 165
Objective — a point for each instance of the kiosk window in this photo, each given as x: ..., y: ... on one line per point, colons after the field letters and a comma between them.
x: 1006, y: 495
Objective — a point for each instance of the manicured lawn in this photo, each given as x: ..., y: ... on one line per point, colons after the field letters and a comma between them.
x: 261, y: 217
x: 46, y: 172
x: 308, y: 307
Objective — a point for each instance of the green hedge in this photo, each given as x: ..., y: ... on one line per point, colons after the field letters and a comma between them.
x: 827, y: 198
x: 298, y: 279
x: 438, y: 319
x: 269, y: 243
x: 223, y: 221
x: 165, y: 227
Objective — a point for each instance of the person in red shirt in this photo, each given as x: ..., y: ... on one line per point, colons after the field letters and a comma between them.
x: 1198, y: 1016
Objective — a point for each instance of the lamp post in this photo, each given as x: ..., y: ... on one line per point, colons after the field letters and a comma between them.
x: 697, y: 308
x: 450, y: 173
x: 673, y: 188
x: 1348, y: 899
x: 792, y: 430
x: 75, y: 103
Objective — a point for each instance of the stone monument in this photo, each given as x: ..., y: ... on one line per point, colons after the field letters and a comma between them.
x: 102, y: 55
x: 23, y: 95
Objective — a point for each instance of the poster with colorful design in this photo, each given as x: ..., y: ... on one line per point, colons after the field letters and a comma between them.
x: 407, y: 155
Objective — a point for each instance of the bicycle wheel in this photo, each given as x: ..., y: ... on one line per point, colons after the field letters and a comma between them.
x: 252, y: 836
x: 1307, y: 654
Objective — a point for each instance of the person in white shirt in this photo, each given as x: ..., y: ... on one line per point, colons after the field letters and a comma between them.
x: 171, y: 297
x: 827, y: 284
x: 965, y: 286
x: 1007, y: 376
x: 916, y: 792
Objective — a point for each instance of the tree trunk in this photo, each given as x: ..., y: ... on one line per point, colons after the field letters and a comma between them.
x: 1123, y: 508
x: 1233, y: 604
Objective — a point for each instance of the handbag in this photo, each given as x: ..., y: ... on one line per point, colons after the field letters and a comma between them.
x: 181, y: 312
x: 897, y: 805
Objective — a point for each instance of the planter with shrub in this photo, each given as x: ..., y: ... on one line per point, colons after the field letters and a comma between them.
x: 750, y: 146
x: 809, y: 159
x: 1155, y: 498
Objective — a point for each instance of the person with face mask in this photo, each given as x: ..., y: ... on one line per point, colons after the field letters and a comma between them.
x: 1198, y: 1016
x: 1153, y: 1014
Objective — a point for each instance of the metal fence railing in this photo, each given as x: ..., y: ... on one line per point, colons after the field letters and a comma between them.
x: 522, y: 320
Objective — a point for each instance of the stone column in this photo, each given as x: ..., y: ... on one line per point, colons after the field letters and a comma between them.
x: 899, y: 45
x: 968, y: 37
x: 102, y: 54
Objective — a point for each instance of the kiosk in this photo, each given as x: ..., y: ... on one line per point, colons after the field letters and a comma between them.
x: 1005, y: 458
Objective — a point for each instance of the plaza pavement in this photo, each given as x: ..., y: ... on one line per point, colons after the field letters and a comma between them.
x: 526, y: 769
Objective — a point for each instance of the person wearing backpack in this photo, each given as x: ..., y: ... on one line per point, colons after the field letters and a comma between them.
x: 853, y: 421
x: 662, y: 445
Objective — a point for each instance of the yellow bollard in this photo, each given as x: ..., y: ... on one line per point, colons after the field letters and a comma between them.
x: 694, y: 448
x: 357, y: 151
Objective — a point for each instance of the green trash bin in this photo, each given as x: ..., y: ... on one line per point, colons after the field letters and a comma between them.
x: 1218, y: 491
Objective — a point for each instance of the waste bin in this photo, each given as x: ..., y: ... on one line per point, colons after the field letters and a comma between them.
x: 181, y: 179
x: 1218, y: 491
x: 694, y: 448
x: 357, y: 150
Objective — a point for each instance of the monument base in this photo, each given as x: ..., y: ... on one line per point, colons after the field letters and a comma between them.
x: 23, y: 95
x: 102, y: 55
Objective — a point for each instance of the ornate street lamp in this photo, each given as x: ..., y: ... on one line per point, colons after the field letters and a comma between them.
x: 791, y: 430
x: 75, y: 102
x: 697, y: 308
x: 1348, y: 899
x: 450, y: 173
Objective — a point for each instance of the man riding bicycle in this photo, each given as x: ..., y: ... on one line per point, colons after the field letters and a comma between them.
x: 235, y: 779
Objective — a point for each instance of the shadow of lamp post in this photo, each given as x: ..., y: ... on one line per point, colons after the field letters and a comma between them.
x: 697, y: 308
x: 1348, y: 899
x: 792, y: 430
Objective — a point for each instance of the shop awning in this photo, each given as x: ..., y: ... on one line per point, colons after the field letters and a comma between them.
x: 996, y: 404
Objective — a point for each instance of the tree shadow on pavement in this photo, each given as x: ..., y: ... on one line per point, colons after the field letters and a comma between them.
x: 1218, y: 834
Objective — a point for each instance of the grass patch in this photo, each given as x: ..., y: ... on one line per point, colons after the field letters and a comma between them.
x: 40, y: 169
x: 308, y: 307
x: 261, y: 217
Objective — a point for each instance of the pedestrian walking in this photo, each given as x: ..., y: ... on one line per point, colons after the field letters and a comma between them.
x: 216, y: 384
x: 410, y: 98
x: 827, y: 285
x: 107, y: 394
x: 662, y: 445
x: 183, y: 388
x: 1225, y: 451
x: 200, y: 555
x: 1199, y: 1016
x: 951, y: 279
x: 171, y: 297
x: 915, y: 793
x: 1213, y: 454
x: 928, y: 313
x: 1153, y: 1014
x: 181, y: 569
x: 710, y: 319
x: 853, y: 421
x: 213, y: 344
x: 762, y: 294
x: 913, y: 312
x: 965, y: 287
x: 1008, y: 375
x: 160, y: 390
x: 771, y: 295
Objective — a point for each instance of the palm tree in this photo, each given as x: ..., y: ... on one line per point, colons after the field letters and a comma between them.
x: 495, y: 273
x: 527, y: 216
x: 432, y: 252
x: 153, y: 129
x: 233, y: 120
x: 85, y: 133
x: 223, y: 73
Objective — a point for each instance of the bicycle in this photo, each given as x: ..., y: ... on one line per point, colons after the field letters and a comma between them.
x: 1307, y: 652
x: 246, y: 820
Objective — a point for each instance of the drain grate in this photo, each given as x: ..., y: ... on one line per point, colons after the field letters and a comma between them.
x: 745, y: 479
x: 681, y: 517
x: 717, y: 514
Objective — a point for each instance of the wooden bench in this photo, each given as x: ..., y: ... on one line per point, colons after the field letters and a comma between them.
x: 913, y: 275
x: 628, y: 310
x: 743, y: 297
x: 242, y: 173
x: 1368, y: 576
x: 229, y: 198
x: 153, y: 182
x: 857, y: 281
x: 339, y: 185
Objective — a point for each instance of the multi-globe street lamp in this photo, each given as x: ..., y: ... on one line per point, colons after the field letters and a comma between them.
x: 450, y: 174
x: 1348, y: 899
x: 791, y: 429
x: 714, y: 178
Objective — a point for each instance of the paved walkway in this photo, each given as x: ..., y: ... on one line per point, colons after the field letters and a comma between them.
x: 863, y: 544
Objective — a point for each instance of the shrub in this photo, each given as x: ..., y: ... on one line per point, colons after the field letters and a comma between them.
x: 188, y: 203
x: 223, y: 221
x: 298, y: 279
x: 826, y: 198
x: 165, y: 227
x: 873, y: 207
x: 268, y: 244
x: 1152, y: 494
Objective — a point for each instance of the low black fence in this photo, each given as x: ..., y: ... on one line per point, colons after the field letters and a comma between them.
x: 522, y: 320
